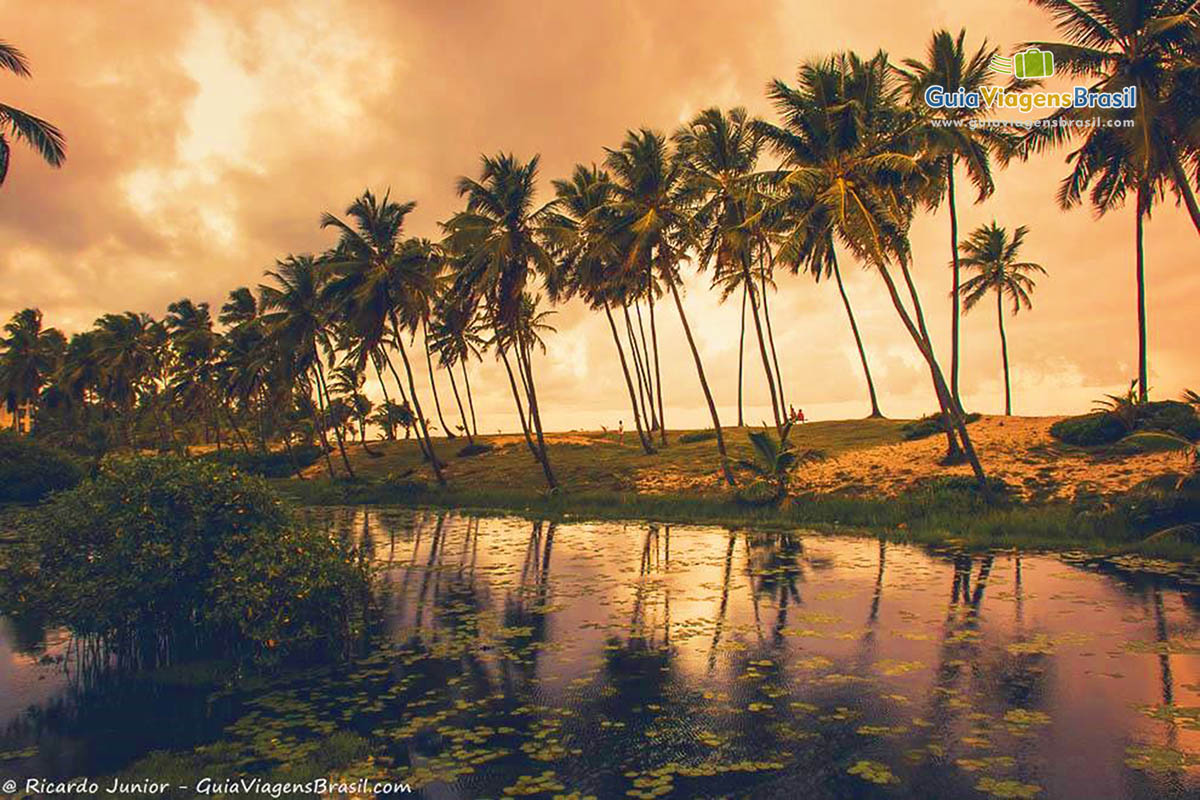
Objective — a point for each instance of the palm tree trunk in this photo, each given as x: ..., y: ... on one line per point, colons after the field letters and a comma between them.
x: 337, y: 429
x: 741, y: 360
x: 520, y: 409
x: 1004, y: 354
x: 637, y: 418
x: 535, y: 416
x: 925, y: 347
x: 1143, y: 388
x: 662, y: 422
x: 955, y: 298
x: 287, y: 444
x: 422, y: 428
x: 762, y: 345
x: 461, y: 411
x: 771, y: 339
x: 1183, y: 185
x: 319, y: 424
x: 432, y: 383
x: 641, y: 331
x: 470, y: 400
x: 426, y: 452
x: 712, y: 407
x: 637, y: 367
x: 362, y: 435
x: 234, y: 427
x: 858, y: 342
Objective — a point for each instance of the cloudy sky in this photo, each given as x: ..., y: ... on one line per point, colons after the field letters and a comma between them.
x: 205, y: 139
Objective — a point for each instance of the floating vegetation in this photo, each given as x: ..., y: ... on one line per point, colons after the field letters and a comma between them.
x: 873, y: 772
x: 1008, y: 790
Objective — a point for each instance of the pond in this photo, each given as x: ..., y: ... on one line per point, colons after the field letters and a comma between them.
x: 612, y: 660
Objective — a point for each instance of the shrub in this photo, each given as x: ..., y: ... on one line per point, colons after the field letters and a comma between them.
x: 188, y: 553
x: 932, y: 425
x: 273, y: 464
x: 1169, y: 416
x: 30, y: 470
x: 697, y: 436
x: 479, y: 448
x: 1088, y: 430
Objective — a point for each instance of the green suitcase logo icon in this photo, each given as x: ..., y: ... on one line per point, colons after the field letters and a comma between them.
x: 1033, y: 63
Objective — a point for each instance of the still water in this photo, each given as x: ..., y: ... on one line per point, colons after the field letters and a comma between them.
x: 614, y: 660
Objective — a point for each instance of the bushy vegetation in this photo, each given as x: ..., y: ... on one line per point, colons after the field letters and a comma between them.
x: 30, y: 470
x: 161, y: 558
x: 692, y: 437
x: 271, y: 464
x: 1098, y: 428
x: 932, y: 425
x: 1124, y: 416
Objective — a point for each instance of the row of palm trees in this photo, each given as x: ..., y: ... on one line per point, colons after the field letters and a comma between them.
x: 858, y: 156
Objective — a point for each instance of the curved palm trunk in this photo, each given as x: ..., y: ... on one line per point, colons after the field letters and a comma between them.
x: 319, y: 424
x: 422, y: 428
x: 461, y: 411
x: 955, y: 297
x: 741, y: 358
x: 432, y: 383
x: 362, y: 435
x: 925, y: 347
x: 1183, y: 185
x: 470, y: 400
x: 946, y: 400
x: 637, y: 367
x: 426, y: 452
x: 771, y: 341
x: 535, y: 417
x: 762, y: 345
x: 712, y: 407
x: 858, y: 342
x: 662, y: 422
x: 512, y: 381
x: 1143, y: 388
x: 1004, y: 354
x: 337, y: 429
x: 637, y: 417
x: 655, y: 423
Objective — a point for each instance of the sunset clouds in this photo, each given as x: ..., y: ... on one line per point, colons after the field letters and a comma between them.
x: 205, y: 139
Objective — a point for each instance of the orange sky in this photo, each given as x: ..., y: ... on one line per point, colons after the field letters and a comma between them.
x: 205, y: 139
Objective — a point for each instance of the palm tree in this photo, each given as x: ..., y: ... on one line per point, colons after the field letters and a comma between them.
x: 948, y: 65
x: 39, y: 134
x: 454, y: 338
x: 591, y: 260
x: 866, y: 183
x: 29, y: 355
x: 378, y: 279
x: 297, y: 317
x: 496, y: 248
x: 346, y: 383
x: 650, y: 204
x: 129, y: 351
x: 993, y: 254
x: 720, y: 152
x: 1151, y: 45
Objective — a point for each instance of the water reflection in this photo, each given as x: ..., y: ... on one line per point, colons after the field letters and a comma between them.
x: 651, y: 660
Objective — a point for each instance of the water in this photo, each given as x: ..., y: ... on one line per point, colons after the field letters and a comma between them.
x: 634, y: 660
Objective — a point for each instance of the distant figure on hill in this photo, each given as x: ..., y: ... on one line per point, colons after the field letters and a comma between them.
x: 794, y: 414
x: 621, y: 431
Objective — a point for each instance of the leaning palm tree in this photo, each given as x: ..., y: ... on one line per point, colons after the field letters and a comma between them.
x: 951, y: 139
x: 1152, y: 45
x: 39, y: 134
x: 992, y: 253
x: 720, y: 152
x: 867, y: 184
x: 496, y: 249
x: 650, y: 204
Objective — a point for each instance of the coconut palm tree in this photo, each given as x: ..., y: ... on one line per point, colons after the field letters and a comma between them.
x: 39, y: 134
x: 454, y: 338
x: 381, y: 280
x: 29, y: 355
x: 951, y: 139
x: 650, y: 204
x: 591, y: 260
x: 867, y: 184
x: 129, y: 351
x: 346, y: 383
x: 992, y: 254
x: 496, y: 247
x: 1152, y: 45
x: 720, y: 153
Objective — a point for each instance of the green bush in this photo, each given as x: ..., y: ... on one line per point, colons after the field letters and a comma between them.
x: 697, y: 436
x: 932, y: 425
x: 479, y: 448
x: 273, y: 464
x: 1088, y: 430
x: 30, y: 470
x: 1169, y: 416
x: 189, y: 553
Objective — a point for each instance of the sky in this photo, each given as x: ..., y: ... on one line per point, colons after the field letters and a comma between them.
x: 206, y: 138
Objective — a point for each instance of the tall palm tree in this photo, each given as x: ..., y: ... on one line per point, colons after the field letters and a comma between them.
x: 130, y: 350
x: 346, y: 383
x: 379, y: 279
x: 720, y: 152
x: 496, y: 244
x: 948, y: 65
x: 993, y: 255
x: 29, y: 354
x: 867, y: 184
x: 1152, y: 45
x: 39, y: 134
x: 591, y: 260
x: 650, y: 203
x: 455, y: 339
